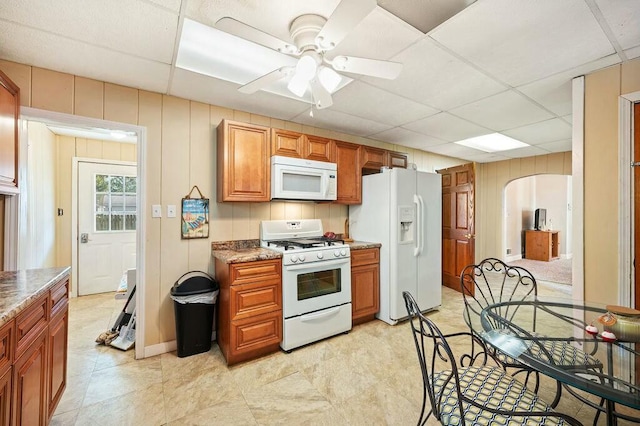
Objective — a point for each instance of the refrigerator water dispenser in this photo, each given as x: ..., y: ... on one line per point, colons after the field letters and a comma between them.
x: 406, y: 216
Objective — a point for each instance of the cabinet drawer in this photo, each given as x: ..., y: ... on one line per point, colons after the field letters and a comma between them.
x: 6, y: 344
x: 255, y: 333
x: 242, y: 273
x: 255, y: 299
x: 365, y: 256
x: 59, y: 296
x: 30, y: 323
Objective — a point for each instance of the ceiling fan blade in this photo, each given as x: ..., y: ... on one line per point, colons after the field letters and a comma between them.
x: 371, y: 67
x: 265, y: 80
x: 344, y: 18
x: 247, y: 32
x: 321, y: 96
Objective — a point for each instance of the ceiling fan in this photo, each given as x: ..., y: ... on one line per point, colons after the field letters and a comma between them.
x: 313, y: 36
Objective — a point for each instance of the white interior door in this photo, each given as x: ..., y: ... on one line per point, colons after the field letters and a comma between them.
x: 106, y: 225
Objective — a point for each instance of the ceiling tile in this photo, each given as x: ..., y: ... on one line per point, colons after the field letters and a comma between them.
x: 623, y: 17
x: 554, y: 92
x: 557, y: 146
x: 172, y: 5
x: 568, y: 119
x: 190, y: 85
x: 147, y: 31
x: 485, y: 157
x: 455, y: 150
x: 528, y: 151
x: 28, y: 46
x: 519, y: 41
x: 363, y: 100
x: 405, y: 137
x: 341, y: 122
x: 503, y: 111
x: 447, y: 127
x: 434, y: 77
x: 542, y: 132
x: 632, y: 53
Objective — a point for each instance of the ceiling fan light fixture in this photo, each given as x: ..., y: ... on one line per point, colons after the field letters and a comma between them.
x: 298, y: 85
x: 329, y: 79
x: 307, y: 67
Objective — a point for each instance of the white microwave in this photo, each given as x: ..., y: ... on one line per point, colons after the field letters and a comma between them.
x: 299, y: 179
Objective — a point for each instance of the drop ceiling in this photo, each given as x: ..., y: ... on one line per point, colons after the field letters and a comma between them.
x: 497, y: 66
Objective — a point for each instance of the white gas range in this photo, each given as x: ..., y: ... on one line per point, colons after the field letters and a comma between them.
x: 316, y: 280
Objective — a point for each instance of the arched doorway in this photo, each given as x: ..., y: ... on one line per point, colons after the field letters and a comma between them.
x: 548, y: 251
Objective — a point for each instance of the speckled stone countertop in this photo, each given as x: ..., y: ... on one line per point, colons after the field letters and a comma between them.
x: 359, y: 245
x: 19, y: 288
x: 242, y: 251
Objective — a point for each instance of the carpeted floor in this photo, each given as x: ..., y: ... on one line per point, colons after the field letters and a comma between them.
x: 557, y: 271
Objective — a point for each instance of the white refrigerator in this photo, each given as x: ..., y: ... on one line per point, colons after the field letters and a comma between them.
x: 402, y: 210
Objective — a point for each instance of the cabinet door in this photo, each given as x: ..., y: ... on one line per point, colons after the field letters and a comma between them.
x: 57, y: 376
x: 287, y: 143
x: 5, y: 396
x: 317, y: 148
x: 244, y: 169
x: 397, y: 159
x: 347, y: 156
x: 365, y: 291
x: 9, y: 112
x: 29, y: 384
x: 373, y: 158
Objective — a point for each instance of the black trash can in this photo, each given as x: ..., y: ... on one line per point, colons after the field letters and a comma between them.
x: 194, y: 297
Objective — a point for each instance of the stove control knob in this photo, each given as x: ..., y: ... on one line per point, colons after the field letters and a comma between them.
x: 301, y: 257
x: 336, y: 253
x: 294, y: 258
x: 320, y: 255
x: 343, y: 252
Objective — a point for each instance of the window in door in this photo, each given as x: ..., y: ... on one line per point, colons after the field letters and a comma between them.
x: 115, y: 203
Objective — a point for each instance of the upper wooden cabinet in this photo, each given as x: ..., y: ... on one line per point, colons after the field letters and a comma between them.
x: 373, y: 158
x: 244, y: 169
x: 9, y: 112
x: 347, y: 158
x: 397, y: 159
x: 293, y: 144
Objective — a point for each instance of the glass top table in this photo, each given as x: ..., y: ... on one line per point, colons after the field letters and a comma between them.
x: 527, y: 329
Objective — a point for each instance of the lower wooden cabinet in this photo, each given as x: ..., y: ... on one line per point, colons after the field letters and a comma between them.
x: 249, y: 309
x: 29, y: 384
x: 5, y: 396
x: 57, y: 377
x: 33, y: 364
x: 365, y: 284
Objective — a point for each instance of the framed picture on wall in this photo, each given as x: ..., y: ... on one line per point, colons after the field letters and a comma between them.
x: 195, y: 216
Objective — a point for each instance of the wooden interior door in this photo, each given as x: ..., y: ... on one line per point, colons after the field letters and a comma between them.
x: 458, y: 222
x: 636, y: 203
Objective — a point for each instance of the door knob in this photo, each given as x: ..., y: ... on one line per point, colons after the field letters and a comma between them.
x: 469, y: 236
x: 84, y: 238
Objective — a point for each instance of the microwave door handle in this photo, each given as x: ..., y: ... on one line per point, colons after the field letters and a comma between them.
x: 325, y: 182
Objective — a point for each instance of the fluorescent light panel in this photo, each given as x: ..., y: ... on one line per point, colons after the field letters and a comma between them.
x: 206, y: 50
x: 492, y: 142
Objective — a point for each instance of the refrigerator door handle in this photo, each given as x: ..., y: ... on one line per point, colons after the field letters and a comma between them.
x: 418, y: 247
x: 421, y: 221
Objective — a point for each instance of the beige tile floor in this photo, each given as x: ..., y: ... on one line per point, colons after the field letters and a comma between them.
x: 367, y: 377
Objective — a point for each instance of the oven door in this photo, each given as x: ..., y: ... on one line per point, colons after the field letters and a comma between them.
x: 311, y: 287
x: 302, y: 183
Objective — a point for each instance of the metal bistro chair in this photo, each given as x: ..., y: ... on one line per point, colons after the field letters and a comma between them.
x: 493, y: 281
x: 472, y: 394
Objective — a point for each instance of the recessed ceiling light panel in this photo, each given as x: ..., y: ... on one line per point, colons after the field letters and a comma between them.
x: 492, y: 142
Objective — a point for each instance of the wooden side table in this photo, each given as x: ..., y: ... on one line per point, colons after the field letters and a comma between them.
x: 542, y: 245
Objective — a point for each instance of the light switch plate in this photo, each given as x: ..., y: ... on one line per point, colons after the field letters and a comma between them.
x: 171, y: 210
x: 156, y: 210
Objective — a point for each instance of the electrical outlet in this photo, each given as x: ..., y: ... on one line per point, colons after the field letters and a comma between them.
x: 156, y: 210
x: 171, y: 210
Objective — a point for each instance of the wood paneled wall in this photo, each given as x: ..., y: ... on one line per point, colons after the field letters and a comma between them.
x: 491, y: 180
x: 179, y: 154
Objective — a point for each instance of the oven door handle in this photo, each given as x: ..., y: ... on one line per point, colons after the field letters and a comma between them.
x: 337, y: 262
x: 322, y: 314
